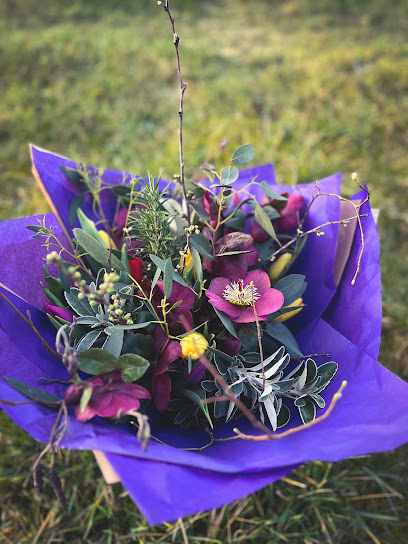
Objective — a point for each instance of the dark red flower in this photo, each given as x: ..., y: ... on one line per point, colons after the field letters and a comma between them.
x: 110, y: 396
x: 136, y: 269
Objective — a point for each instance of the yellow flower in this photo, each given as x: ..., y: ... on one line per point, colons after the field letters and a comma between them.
x: 278, y: 266
x: 107, y: 240
x: 193, y: 345
x: 288, y: 315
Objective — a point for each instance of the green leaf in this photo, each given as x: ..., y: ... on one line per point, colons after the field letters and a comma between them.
x: 202, y: 245
x: 97, y: 251
x: 168, y: 278
x: 85, y: 398
x: 200, y: 211
x: 114, y: 342
x: 307, y: 410
x: 31, y: 392
x: 139, y: 344
x: 97, y: 361
x: 237, y: 221
x: 132, y: 367
x: 57, y: 322
x: 197, y: 264
x: 73, y: 175
x: 188, y: 394
x: 124, y: 278
x: 229, y: 175
x: 243, y: 154
x: 89, y: 227
x: 226, y: 321
x: 80, y: 306
x: 75, y: 204
x: 55, y: 286
x: 160, y: 264
x: 52, y: 299
x: 281, y: 333
x: 326, y: 371
x: 269, y: 192
x: 263, y: 219
x: 283, y: 416
x: 88, y: 340
x: 292, y: 287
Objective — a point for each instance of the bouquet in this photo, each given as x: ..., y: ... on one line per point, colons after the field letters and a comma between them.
x: 176, y: 327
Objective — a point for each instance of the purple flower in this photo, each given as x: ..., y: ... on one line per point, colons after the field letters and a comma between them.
x: 55, y: 311
x: 238, y: 298
x: 110, y: 396
x: 179, y: 314
x: 166, y: 351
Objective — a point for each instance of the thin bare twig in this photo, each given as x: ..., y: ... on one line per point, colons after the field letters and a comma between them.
x: 29, y: 322
x: 183, y: 87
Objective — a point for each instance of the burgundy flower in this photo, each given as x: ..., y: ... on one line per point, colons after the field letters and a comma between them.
x: 136, y: 269
x: 236, y: 298
x: 110, y: 395
x: 166, y: 351
x: 55, y: 311
x: 232, y: 266
x: 196, y: 374
x: 182, y: 313
x: 289, y: 217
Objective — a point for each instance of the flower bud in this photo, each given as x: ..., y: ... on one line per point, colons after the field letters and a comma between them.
x: 193, y: 345
x: 288, y: 315
x: 278, y: 266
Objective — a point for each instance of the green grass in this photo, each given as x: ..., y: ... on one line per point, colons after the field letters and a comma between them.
x: 317, y: 87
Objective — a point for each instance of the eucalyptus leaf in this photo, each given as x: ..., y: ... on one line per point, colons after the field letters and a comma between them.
x: 168, y: 277
x: 263, y: 219
x: 97, y: 251
x: 89, y: 227
x: 281, y: 333
x: 202, y: 245
x: 200, y: 211
x: 270, y: 192
x: 226, y: 321
x: 198, y: 267
x: 160, y: 264
x: 31, y: 392
x: 243, y: 154
x: 229, y: 175
x: 292, y: 287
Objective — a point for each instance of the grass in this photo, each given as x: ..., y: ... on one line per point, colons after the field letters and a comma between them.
x: 317, y: 88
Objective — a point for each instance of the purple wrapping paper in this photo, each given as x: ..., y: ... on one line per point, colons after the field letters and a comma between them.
x: 166, y: 482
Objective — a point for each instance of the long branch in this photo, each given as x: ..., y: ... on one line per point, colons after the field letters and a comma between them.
x: 183, y: 87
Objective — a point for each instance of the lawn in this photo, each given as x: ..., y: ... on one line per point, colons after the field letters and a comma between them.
x: 317, y: 87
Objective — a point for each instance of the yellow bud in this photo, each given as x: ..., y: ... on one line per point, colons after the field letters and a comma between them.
x: 188, y: 261
x: 279, y: 266
x: 107, y: 240
x: 288, y: 315
x: 193, y: 345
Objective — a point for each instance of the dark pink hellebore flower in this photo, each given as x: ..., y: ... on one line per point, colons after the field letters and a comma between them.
x: 110, y: 396
x: 236, y: 298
